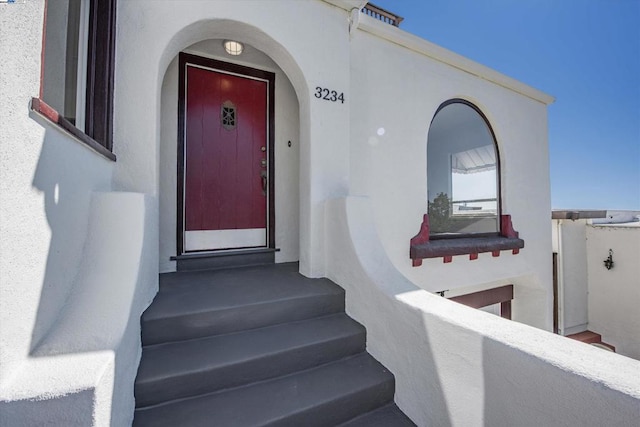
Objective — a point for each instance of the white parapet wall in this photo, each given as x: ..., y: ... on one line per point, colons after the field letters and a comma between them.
x: 462, y: 367
x: 82, y: 371
x: 614, y: 295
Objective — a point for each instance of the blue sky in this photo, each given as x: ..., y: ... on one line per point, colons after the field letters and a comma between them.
x: 586, y: 53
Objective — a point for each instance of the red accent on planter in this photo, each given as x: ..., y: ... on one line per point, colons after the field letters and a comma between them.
x: 423, y: 234
x: 506, y: 227
x: 422, y: 246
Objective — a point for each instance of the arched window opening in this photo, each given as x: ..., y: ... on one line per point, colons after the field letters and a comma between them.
x: 463, y: 185
x: 462, y: 172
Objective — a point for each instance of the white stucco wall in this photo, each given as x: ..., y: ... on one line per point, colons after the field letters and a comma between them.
x: 614, y: 295
x: 570, y: 242
x: 455, y: 366
x: 392, y: 168
x: 287, y: 159
x: 297, y: 48
x: 592, y: 297
x: 340, y: 150
x: 82, y: 371
x: 45, y: 193
x: 74, y: 270
x: 453, y: 359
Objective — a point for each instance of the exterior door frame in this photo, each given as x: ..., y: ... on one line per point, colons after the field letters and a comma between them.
x: 184, y: 60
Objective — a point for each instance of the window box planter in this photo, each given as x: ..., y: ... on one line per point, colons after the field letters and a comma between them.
x: 424, y: 246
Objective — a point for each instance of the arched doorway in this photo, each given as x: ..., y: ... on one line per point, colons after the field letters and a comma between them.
x: 276, y: 173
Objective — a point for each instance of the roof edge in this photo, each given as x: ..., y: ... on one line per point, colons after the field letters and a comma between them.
x: 347, y: 5
x: 440, y: 54
x: 577, y: 214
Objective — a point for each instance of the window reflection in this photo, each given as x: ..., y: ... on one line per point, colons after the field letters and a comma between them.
x: 462, y: 175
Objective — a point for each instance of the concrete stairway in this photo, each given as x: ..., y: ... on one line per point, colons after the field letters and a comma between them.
x: 257, y: 346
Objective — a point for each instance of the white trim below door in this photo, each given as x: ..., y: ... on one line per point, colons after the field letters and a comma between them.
x: 224, y: 239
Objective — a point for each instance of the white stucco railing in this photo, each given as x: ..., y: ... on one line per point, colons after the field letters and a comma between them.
x: 463, y: 367
x: 82, y: 371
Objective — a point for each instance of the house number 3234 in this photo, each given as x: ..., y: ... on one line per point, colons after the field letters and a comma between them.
x: 329, y: 95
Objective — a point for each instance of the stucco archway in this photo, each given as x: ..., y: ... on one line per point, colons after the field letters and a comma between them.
x: 205, y: 38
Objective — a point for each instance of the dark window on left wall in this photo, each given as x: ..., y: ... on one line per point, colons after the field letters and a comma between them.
x: 76, y: 89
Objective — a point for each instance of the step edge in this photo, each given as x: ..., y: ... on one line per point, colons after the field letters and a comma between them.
x: 240, y: 306
x: 275, y: 325
x: 325, y: 341
x: 351, y: 350
x: 363, y: 354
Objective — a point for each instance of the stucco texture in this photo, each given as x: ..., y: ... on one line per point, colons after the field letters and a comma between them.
x: 614, y: 295
x: 456, y: 366
x: 83, y: 238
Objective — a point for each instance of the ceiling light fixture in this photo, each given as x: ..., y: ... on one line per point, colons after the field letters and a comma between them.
x: 233, y: 47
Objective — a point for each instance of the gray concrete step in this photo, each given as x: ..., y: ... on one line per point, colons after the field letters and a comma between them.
x: 188, y: 368
x: 203, y: 303
x: 324, y: 396
x: 257, y: 346
x: 387, y: 416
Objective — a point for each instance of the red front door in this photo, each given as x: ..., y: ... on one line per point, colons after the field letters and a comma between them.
x: 225, y: 178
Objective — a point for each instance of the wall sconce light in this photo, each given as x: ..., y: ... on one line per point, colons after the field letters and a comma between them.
x: 608, y: 263
x: 233, y: 47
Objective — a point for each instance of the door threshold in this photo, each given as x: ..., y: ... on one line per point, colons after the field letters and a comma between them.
x: 214, y: 260
x: 221, y: 253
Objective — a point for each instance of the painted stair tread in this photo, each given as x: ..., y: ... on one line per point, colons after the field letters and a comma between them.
x: 188, y: 368
x: 387, y: 416
x: 226, y: 301
x: 261, y: 276
x: 327, y: 395
x: 203, y: 291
